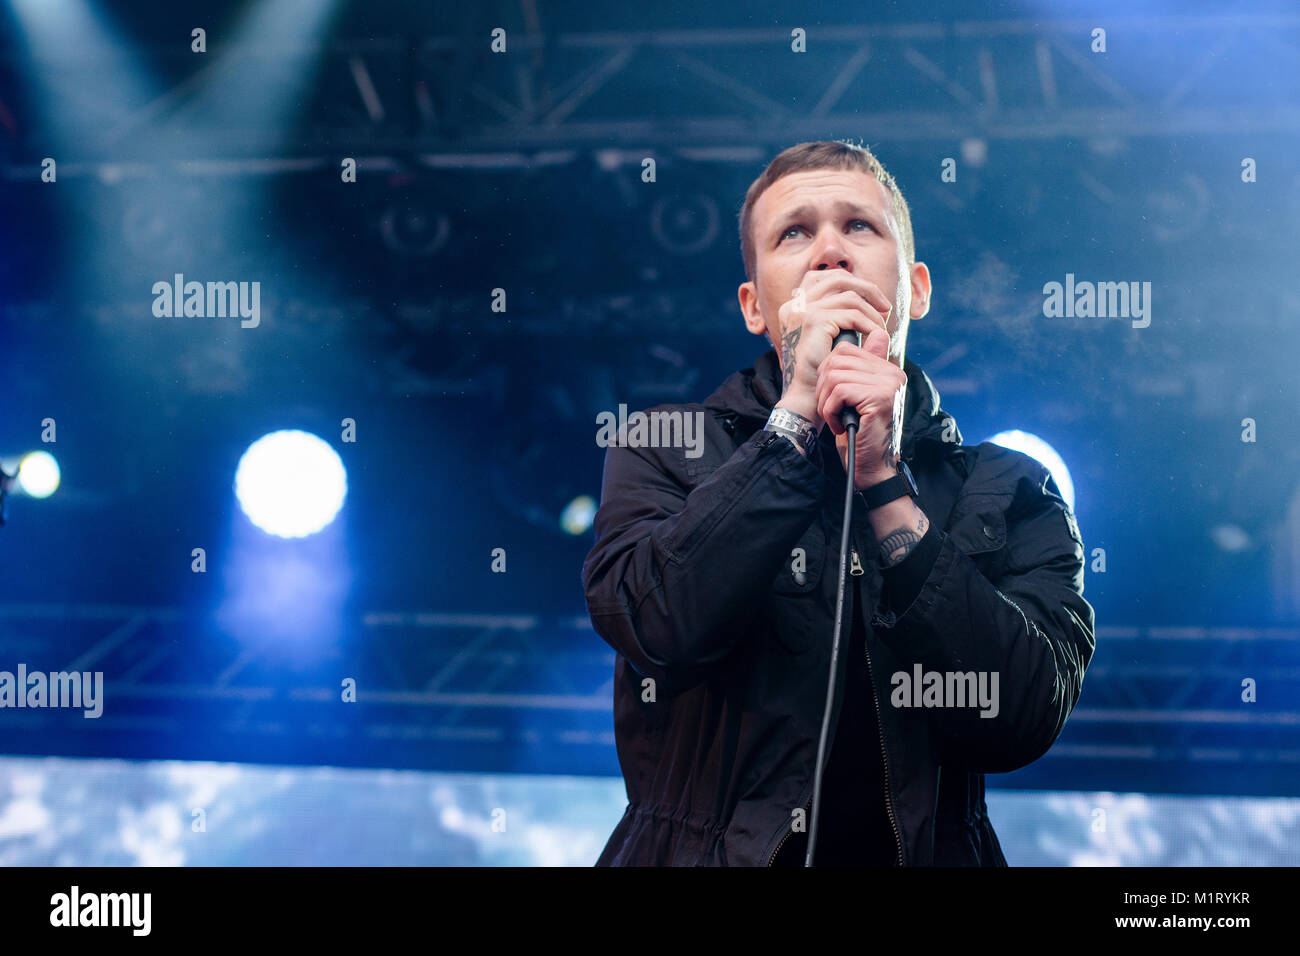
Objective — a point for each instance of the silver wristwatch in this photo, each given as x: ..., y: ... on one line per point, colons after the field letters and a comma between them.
x: 794, y: 427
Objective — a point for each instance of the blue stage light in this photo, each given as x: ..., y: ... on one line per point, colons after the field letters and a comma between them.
x: 290, y: 483
x: 38, y: 475
x: 577, y: 514
x: 1041, y: 451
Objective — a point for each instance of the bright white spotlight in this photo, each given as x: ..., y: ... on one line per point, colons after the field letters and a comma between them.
x: 577, y: 514
x: 290, y: 483
x: 1036, y: 448
x: 38, y: 475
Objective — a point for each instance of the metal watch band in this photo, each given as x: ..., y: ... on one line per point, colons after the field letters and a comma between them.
x: 795, y: 427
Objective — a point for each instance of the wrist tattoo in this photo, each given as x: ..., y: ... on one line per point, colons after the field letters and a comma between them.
x: 788, y: 342
x: 897, y: 545
x: 887, y: 454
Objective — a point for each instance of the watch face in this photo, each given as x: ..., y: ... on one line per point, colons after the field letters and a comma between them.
x: 907, y: 473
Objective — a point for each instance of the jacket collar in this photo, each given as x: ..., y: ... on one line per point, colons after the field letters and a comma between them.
x: 751, y: 394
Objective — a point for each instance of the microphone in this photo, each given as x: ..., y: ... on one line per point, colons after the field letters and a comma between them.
x: 848, y: 414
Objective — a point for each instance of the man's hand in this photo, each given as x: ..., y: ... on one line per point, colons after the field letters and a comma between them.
x: 864, y: 378
x: 826, y: 303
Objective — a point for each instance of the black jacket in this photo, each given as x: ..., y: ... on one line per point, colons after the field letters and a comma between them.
x: 723, y: 638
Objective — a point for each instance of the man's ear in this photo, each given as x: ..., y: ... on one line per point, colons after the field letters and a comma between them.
x: 748, y: 296
x: 920, y: 274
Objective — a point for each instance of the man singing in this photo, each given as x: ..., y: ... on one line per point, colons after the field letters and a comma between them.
x: 714, y: 576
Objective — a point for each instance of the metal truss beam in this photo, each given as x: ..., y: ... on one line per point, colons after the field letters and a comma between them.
x: 1000, y: 80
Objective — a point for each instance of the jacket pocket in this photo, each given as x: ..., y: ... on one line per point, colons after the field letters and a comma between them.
x: 978, y: 528
x: 797, y: 593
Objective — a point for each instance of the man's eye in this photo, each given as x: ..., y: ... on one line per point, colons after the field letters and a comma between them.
x: 851, y: 223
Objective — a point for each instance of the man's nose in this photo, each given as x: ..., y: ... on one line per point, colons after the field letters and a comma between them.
x: 831, y: 256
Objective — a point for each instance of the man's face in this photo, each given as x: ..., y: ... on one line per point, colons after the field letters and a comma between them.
x: 830, y: 219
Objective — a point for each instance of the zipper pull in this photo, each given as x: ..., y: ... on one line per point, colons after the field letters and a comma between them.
x: 855, y: 566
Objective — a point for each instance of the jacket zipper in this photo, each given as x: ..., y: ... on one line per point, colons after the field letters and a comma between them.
x: 880, y: 730
x: 856, y: 570
x: 889, y: 803
x: 777, y: 852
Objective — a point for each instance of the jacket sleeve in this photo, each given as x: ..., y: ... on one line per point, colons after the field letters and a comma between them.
x: 1034, y: 630
x: 673, y: 576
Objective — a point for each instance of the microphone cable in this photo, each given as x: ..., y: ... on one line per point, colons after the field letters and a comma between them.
x: 849, y: 418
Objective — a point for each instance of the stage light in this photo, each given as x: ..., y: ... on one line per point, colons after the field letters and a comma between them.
x: 578, y: 514
x: 685, y: 226
x: 290, y: 483
x: 259, y: 88
x: 1041, y: 451
x: 38, y: 475
x: 1231, y: 538
x: 84, y: 76
x: 414, y: 228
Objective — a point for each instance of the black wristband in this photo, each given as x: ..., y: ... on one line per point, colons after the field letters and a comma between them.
x: 882, y: 493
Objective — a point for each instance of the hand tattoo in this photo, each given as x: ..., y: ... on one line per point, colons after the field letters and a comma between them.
x: 888, y: 452
x: 788, y: 342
